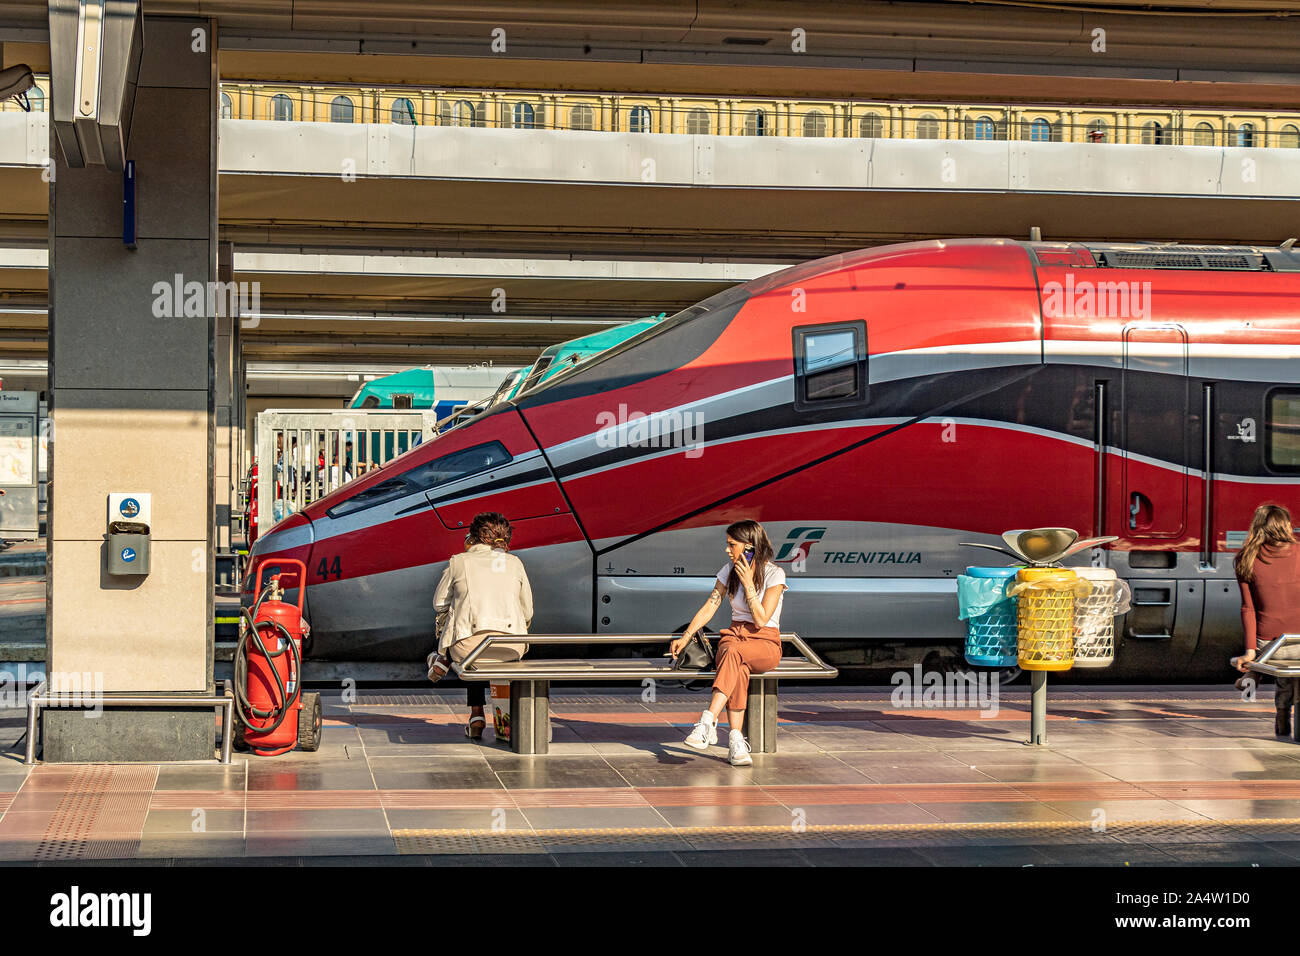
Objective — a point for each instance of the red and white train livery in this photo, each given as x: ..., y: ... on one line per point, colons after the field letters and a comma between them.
x: 873, y: 410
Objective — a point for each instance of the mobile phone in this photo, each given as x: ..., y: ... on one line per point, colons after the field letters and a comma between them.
x: 749, y: 555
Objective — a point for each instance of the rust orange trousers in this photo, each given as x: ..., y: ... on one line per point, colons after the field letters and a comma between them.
x: 744, y: 649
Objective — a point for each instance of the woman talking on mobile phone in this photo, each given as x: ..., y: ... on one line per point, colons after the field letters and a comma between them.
x: 751, y: 645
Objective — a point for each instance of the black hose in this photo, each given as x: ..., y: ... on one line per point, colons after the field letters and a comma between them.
x: 249, y: 628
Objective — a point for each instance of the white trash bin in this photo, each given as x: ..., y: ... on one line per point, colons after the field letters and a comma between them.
x: 1094, y: 617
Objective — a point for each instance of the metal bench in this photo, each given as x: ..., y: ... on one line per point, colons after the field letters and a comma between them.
x: 530, y: 682
x: 1284, y: 669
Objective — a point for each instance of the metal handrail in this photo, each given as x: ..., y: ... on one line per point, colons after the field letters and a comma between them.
x: 468, y: 669
x: 1261, y: 664
x: 224, y: 700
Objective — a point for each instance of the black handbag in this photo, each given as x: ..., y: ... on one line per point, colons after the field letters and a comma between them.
x: 695, y: 656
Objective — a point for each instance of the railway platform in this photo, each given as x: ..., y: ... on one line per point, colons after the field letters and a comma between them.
x: 1131, y: 776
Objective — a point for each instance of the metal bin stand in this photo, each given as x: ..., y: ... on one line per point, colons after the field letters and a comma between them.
x: 1046, y: 634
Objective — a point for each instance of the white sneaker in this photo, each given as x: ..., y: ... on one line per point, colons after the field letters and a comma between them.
x: 705, y: 734
x: 738, y: 750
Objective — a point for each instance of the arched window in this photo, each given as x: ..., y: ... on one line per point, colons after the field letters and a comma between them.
x: 756, y: 123
x: 1203, y: 135
x: 1097, y: 131
x: 463, y: 113
x: 639, y: 120
x: 403, y: 112
x: 281, y: 108
x: 697, y: 122
x: 1040, y: 131
x: 984, y: 128
x: 1155, y: 134
x: 227, y: 106
x: 1289, y: 137
x: 1245, y: 135
x: 36, y: 99
x: 582, y: 117
x: 341, y: 110
x: 459, y: 113
x: 870, y: 126
x: 814, y: 123
x: 927, y: 127
x: 525, y: 117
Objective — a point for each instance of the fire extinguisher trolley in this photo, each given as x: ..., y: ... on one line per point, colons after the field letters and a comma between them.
x: 273, y: 714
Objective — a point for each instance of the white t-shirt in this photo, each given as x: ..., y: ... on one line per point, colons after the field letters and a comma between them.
x: 772, y: 576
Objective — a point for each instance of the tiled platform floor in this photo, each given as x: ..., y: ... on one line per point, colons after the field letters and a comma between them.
x: 1132, y: 776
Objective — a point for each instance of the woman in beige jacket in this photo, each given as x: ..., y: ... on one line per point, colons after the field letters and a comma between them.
x: 484, y: 591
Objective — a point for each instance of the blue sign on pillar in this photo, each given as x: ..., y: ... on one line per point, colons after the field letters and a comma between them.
x: 128, y: 204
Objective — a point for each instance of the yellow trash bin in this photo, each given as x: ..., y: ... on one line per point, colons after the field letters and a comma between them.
x: 1045, y: 616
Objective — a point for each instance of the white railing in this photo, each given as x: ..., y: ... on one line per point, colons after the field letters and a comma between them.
x: 305, y: 454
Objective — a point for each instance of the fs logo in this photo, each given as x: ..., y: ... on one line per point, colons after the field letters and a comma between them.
x: 797, y: 547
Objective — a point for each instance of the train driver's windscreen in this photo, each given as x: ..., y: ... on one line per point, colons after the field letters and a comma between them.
x: 425, y: 477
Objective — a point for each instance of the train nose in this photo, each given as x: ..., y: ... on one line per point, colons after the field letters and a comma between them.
x: 290, y: 538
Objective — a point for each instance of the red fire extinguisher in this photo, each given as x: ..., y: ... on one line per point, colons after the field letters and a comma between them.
x: 273, y: 712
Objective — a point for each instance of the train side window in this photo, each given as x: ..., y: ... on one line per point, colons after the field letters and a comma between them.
x: 1282, y: 431
x: 830, y: 365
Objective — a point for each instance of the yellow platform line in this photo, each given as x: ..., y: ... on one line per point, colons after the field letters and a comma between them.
x: 868, y: 828
x: 408, y: 839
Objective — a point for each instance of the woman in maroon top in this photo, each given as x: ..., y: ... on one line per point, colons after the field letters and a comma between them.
x: 1268, y: 570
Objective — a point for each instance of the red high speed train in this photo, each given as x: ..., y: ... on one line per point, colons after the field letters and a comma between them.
x: 873, y: 410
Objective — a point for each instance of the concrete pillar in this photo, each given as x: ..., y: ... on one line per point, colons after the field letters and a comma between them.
x: 131, y: 400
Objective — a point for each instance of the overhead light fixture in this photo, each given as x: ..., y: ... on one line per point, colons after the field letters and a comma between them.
x: 95, y: 52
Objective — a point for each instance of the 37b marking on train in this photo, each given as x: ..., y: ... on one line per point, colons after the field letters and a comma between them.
x: 326, y: 570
